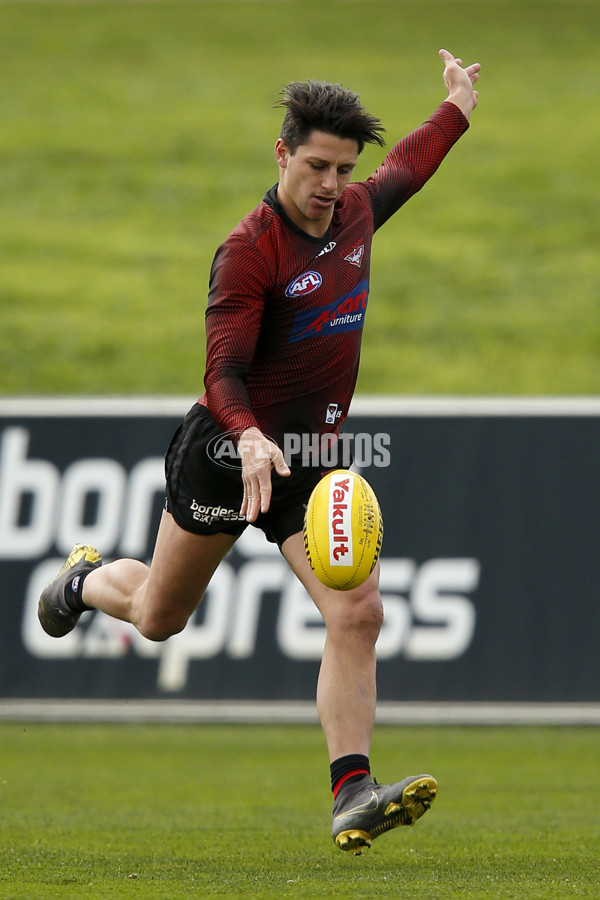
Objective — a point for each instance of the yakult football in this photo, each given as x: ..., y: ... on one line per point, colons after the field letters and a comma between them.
x: 343, y: 530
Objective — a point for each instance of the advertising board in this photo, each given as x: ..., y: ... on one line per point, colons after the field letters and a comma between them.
x: 489, y: 569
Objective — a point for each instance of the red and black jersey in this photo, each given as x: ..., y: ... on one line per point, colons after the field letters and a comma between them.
x: 286, y: 310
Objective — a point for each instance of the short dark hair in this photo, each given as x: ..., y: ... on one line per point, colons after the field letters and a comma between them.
x: 321, y: 106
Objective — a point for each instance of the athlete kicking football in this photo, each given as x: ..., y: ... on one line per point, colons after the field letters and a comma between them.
x: 280, y: 358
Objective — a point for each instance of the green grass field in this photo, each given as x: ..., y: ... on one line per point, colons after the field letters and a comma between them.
x: 230, y: 811
x: 135, y: 135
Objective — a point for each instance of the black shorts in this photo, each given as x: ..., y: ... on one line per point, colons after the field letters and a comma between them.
x: 205, y: 496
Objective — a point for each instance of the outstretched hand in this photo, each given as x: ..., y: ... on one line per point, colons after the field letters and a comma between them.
x: 459, y: 82
x: 259, y: 456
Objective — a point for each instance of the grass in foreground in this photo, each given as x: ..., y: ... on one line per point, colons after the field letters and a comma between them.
x: 233, y: 811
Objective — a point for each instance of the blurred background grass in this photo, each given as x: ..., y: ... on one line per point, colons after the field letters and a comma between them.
x: 135, y: 135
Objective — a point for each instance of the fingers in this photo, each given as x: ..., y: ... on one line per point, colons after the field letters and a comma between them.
x: 257, y: 498
x: 259, y: 455
x: 448, y: 59
x: 257, y: 494
x: 459, y: 82
x: 472, y: 70
x: 279, y: 464
x: 256, y: 480
x: 258, y: 487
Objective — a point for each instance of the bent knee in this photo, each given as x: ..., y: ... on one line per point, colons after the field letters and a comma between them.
x: 369, y: 614
x: 360, y: 614
x: 160, y: 628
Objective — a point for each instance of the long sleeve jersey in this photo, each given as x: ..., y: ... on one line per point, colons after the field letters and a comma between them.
x: 286, y: 310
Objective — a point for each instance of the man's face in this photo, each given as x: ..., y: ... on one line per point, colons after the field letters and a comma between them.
x: 312, y: 179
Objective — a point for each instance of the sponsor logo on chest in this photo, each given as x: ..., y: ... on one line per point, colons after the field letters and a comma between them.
x: 347, y: 313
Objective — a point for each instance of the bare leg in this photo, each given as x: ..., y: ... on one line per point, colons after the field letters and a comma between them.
x: 346, y: 692
x: 159, y: 600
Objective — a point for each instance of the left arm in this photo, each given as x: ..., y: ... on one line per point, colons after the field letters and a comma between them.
x: 413, y: 160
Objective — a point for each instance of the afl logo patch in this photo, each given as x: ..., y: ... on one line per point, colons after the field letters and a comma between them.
x: 304, y: 284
